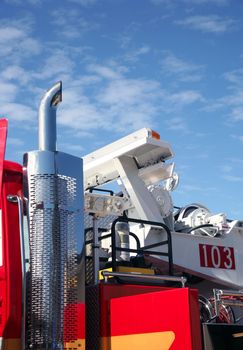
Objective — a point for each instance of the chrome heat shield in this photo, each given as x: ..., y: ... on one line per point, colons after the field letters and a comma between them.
x: 56, y: 282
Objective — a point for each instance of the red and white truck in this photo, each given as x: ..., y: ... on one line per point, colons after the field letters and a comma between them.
x: 86, y: 264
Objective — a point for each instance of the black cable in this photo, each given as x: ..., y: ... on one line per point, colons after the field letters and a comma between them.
x: 200, y: 226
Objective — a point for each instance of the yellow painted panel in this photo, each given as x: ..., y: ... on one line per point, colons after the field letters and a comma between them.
x: 78, y: 344
x: 139, y: 270
x: 129, y: 269
x: 146, y: 341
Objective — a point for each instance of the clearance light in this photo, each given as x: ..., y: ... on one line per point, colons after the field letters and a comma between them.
x: 155, y: 135
x: 104, y: 205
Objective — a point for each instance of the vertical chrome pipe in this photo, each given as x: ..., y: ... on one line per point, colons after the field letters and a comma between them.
x: 53, y: 184
x: 47, y: 118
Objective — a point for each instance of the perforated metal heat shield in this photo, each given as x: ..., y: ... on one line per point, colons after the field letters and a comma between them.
x: 54, y: 188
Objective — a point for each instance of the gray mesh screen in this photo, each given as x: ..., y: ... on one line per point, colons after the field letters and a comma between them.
x: 53, y: 285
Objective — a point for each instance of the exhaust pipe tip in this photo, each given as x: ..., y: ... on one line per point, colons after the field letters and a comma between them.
x: 57, y: 96
x: 47, y: 117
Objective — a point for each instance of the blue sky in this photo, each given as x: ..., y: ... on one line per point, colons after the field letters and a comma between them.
x: 173, y: 65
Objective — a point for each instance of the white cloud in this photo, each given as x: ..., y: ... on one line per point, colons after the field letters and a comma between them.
x: 185, y: 97
x: 16, y: 73
x: 70, y: 23
x: 84, y: 2
x: 13, y: 141
x: 126, y: 37
x: 16, y: 42
x: 106, y: 72
x: 134, y: 55
x: 29, y: 46
x: 226, y: 168
x: 234, y: 99
x: 158, y: 2
x: 185, y: 189
x: 142, y: 50
x: 77, y: 112
x: 191, y: 188
x: 236, y: 160
x: 238, y: 137
x: 235, y: 77
x: 58, y: 65
x: 87, y: 80
x: 201, y: 2
x: 7, y: 92
x: 233, y: 102
x: 129, y: 91
x: 17, y: 112
x: 10, y: 33
x: 117, y: 102
x: 21, y: 2
x: 36, y: 2
x: 184, y: 71
x: 190, y: 2
x: 232, y: 178
x: 237, y: 114
x: 177, y: 124
x: 75, y: 149
x: 210, y: 23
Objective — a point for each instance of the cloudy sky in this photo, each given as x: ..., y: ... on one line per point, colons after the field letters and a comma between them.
x: 173, y: 65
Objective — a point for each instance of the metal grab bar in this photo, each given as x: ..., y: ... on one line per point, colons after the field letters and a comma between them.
x: 219, y: 295
x: 145, y: 277
x: 229, y: 293
x: 19, y: 201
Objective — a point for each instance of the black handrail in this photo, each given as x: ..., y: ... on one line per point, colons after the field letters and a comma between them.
x: 145, y: 248
x: 92, y: 189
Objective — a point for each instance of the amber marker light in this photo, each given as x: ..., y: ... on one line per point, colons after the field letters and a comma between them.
x: 155, y: 135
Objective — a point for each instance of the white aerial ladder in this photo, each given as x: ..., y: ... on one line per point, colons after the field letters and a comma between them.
x: 204, y: 245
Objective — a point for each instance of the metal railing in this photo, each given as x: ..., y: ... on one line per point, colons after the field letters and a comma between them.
x: 145, y: 249
x: 227, y: 297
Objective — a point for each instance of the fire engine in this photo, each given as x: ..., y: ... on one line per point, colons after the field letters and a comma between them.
x: 94, y: 254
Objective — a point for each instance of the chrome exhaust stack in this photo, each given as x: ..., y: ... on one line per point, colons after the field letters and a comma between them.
x: 47, y: 118
x: 53, y: 185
